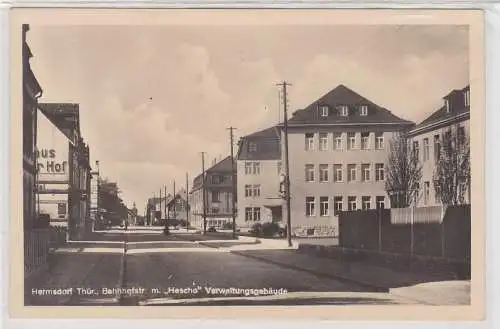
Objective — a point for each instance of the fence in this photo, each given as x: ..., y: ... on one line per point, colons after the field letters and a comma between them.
x: 37, y: 245
x: 427, y: 231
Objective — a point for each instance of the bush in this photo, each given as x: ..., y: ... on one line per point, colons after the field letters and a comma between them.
x: 256, y: 229
x: 270, y: 229
x: 227, y: 226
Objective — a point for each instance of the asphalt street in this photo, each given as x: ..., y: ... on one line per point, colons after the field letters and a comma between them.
x: 145, y: 267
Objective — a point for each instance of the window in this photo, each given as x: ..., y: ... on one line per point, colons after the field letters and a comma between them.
x: 351, y: 141
x: 380, y: 202
x: 309, y: 141
x: 416, y: 149
x: 310, y: 206
x: 364, y: 110
x: 365, y: 141
x: 279, y: 167
x: 61, y: 209
x: 256, y: 190
x: 252, y: 147
x: 337, y: 173
x: 426, y: 149
x: 426, y: 192
x: 467, y: 98
x: 379, y: 141
x: 252, y: 214
x: 309, y: 173
x: 214, y: 210
x: 437, y: 148
x: 366, y: 202
x: 323, y: 111
x: 248, y: 168
x: 460, y: 135
x: 337, y: 205
x: 323, y: 173
x: 351, y: 172
x: 447, y: 105
x: 323, y: 206
x: 248, y: 190
x: 344, y: 110
x: 365, y: 172
x: 351, y: 203
x: 215, y: 196
x: 338, y: 141
x: 256, y: 168
x: 323, y: 141
x: 379, y: 172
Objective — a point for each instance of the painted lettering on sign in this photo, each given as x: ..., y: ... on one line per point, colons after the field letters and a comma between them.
x: 49, y: 166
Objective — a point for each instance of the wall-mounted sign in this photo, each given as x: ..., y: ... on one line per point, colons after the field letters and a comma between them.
x: 48, y: 164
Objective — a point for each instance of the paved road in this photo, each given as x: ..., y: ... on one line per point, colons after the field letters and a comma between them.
x: 178, y: 269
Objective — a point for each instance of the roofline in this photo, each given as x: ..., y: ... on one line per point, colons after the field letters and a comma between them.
x: 350, y: 124
x: 436, y: 124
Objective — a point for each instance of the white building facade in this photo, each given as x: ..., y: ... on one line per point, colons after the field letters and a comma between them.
x: 426, y: 139
x: 259, y: 167
x: 338, y: 149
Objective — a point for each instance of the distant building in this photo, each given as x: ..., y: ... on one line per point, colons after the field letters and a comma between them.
x: 218, y: 196
x: 338, y: 148
x: 453, y: 118
x: 259, y: 167
x: 178, y: 207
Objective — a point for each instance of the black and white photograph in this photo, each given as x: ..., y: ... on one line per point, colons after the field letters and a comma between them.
x: 258, y: 162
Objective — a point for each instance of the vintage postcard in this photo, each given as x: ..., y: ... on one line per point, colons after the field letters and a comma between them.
x: 247, y: 163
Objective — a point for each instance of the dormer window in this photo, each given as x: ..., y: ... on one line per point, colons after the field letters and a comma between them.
x: 343, y: 110
x: 323, y: 111
x: 447, y: 105
x: 364, y: 110
x: 252, y: 147
x: 467, y: 97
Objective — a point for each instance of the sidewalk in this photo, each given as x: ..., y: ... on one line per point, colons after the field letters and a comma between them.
x: 70, y: 268
x: 426, y: 289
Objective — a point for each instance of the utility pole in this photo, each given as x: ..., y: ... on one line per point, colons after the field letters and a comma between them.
x: 160, y: 205
x: 153, y: 215
x: 187, y: 202
x: 233, y: 180
x: 173, y: 202
x: 283, y: 85
x: 166, y: 230
x: 203, y: 191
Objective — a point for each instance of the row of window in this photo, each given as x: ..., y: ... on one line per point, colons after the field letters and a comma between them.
x: 351, y: 139
x: 437, y: 144
x: 338, y: 172
x: 338, y: 204
x: 342, y: 110
x: 253, y: 167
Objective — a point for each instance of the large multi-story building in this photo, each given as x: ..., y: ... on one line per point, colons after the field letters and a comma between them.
x: 218, y: 188
x: 427, y: 137
x: 259, y: 168
x: 66, y: 180
x: 31, y: 93
x: 338, y: 148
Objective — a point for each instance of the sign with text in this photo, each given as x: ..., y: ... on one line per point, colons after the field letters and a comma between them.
x: 52, y: 152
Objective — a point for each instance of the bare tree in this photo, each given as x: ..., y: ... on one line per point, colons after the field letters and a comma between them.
x: 452, y: 175
x: 404, y: 172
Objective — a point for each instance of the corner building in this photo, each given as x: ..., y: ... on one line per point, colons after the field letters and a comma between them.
x: 338, y: 149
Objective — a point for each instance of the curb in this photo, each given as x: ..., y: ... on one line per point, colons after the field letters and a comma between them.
x: 121, y: 276
x: 370, y: 286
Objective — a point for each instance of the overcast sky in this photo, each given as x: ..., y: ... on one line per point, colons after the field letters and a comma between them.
x: 152, y: 98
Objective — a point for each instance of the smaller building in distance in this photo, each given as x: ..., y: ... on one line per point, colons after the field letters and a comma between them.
x: 177, y: 208
x: 448, y: 124
x: 259, y: 170
x: 218, y: 196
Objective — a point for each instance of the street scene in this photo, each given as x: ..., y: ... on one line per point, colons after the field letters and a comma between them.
x: 211, y: 169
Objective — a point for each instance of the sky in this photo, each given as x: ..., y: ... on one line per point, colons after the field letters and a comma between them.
x: 153, y: 97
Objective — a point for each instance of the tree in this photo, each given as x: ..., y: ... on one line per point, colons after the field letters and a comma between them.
x: 403, y: 171
x: 115, y: 209
x: 452, y: 175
